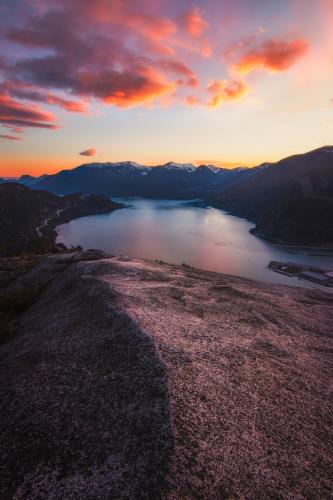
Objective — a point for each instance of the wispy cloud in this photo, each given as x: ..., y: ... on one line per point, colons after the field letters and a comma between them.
x: 9, y: 137
x: 17, y: 114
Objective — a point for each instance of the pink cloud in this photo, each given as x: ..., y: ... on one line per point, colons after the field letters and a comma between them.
x: 88, y: 152
x: 192, y: 100
x: 155, y: 27
x: 194, y: 23
x: 10, y: 137
x: 22, y: 90
x: 82, y: 65
x: 123, y: 54
x: 181, y: 69
x: 17, y: 114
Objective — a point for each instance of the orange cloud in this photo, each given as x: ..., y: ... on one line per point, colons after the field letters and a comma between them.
x: 194, y: 23
x: 226, y: 91
x: 192, y: 100
x: 273, y: 55
x: 72, y: 106
x: 134, y: 89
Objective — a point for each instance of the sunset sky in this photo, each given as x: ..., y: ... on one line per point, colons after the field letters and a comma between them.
x: 217, y: 81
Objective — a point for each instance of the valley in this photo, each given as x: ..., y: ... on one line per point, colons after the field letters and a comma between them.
x: 190, y: 232
x: 290, y: 201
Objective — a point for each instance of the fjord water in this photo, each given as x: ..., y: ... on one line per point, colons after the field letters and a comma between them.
x: 185, y: 232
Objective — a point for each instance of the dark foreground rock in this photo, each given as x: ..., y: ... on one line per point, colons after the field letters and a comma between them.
x: 132, y: 379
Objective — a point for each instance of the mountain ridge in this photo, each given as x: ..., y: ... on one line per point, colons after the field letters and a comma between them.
x: 28, y: 217
x: 290, y: 201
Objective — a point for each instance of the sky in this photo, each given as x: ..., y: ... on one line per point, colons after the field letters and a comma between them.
x: 223, y: 82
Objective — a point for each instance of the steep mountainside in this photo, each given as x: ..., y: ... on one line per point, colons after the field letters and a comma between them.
x: 28, y: 217
x: 290, y: 201
x: 132, y: 379
x: 171, y: 180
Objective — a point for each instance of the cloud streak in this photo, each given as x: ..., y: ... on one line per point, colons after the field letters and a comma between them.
x: 9, y: 137
x: 16, y: 114
x: 26, y: 91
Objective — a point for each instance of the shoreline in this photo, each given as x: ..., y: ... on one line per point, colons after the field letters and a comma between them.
x: 58, y: 220
x: 276, y: 241
x: 296, y: 246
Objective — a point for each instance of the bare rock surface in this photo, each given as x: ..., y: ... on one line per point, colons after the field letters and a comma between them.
x: 133, y: 379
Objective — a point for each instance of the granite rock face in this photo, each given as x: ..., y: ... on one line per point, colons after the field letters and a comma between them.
x: 133, y: 379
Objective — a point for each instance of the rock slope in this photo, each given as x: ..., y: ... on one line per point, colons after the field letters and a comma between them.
x: 134, y: 379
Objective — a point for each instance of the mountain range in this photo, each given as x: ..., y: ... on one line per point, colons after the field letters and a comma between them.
x: 290, y: 201
x: 172, y: 180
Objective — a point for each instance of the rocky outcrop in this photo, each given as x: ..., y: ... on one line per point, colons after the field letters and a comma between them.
x: 13, y: 267
x: 133, y: 379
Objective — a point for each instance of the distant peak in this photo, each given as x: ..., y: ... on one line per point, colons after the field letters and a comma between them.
x: 240, y: 169
x: 180, y: 166
x: 118, y: 164
x: 210, y: 168
x: 326, y: 149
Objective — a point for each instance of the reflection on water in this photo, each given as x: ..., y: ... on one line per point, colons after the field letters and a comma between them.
x: 179, y: 231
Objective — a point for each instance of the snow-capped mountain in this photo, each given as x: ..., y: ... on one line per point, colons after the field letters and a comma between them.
x: 129, y: 178
x: 327, y: 149
x: 120, y: 166
x: 186, y: 167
